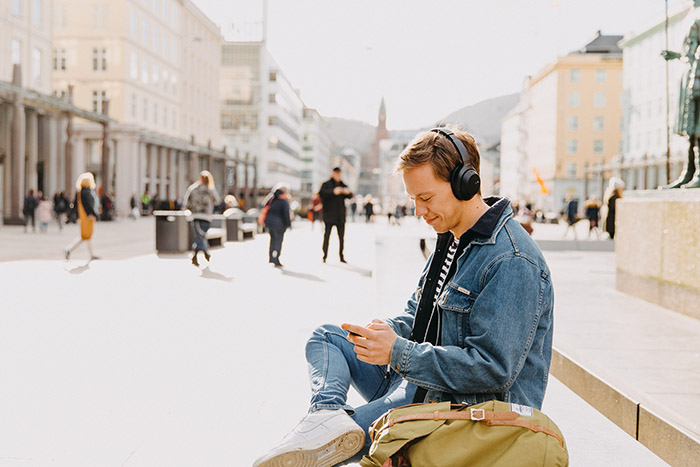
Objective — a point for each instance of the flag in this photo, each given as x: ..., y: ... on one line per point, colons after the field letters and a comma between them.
x: 543, y: 187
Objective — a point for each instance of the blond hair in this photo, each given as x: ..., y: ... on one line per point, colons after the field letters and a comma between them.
x: 437, y: 150
x: 85, y: 180
x: 206, y: 179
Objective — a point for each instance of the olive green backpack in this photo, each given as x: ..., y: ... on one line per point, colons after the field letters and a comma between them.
x: 492, y: 433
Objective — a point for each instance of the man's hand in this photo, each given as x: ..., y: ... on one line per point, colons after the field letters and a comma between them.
x: 373, y: 343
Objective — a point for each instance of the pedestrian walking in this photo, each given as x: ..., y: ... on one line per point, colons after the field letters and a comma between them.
x: 277, y: 221
x: 200, y: 199
x: 369, y: 209
x: 134, y: 207
x: 477, y: 328
x: 593, y: 215
x: 333, y: 194
x: 60, y: 207
x: 571, y: 214
x: 87, y: 206
x: 44, y: 212
x: 29, y: 210
x: 615, y: 187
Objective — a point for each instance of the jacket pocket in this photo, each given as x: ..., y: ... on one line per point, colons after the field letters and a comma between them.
x: 457, y: 298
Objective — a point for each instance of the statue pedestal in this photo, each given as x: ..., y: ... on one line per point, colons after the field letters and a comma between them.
x: 657, y: 247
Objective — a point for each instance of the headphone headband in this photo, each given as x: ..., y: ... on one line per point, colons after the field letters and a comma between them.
x: 459, y: 146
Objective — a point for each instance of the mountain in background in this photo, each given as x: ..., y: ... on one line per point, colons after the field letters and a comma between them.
x: 482, y: 120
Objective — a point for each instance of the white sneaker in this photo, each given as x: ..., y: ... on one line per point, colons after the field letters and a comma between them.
x: 321, y: 439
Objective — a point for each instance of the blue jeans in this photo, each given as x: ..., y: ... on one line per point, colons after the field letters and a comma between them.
x: 200, y: 228
x: 334, y: 366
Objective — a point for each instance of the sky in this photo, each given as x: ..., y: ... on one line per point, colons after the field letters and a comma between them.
x: 426, y: 58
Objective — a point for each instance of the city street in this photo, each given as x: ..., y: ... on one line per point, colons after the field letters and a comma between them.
x: 141, y: 360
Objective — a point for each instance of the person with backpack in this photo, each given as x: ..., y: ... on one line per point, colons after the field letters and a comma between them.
x: 478, y: 327
x: 86, y: 205
x: 200, y: 199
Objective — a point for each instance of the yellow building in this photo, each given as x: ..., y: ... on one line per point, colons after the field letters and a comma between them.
x: 568, y: 119
x: 156, y: 61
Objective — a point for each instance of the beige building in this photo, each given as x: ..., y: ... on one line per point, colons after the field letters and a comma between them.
x: 25, y: 39
x: 156, y: 61
x: 568, y: 120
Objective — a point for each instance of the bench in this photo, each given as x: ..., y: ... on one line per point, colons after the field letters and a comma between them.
x: 248, y: 230
x: 215, y: 236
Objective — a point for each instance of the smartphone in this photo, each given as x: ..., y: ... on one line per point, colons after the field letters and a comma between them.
x: 353, y: 333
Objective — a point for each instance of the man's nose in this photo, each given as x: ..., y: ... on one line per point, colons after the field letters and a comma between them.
x: 420, y: 209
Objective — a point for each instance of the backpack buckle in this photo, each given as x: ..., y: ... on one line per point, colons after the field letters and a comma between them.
x: 477, y: 414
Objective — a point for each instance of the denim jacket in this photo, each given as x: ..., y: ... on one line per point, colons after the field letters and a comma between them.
x: 497, y: 323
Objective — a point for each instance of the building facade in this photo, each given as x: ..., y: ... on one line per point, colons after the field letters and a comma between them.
x: 261, y: 114
x: 646, y: 95
x: 317, y: 149
x: 568, y: 119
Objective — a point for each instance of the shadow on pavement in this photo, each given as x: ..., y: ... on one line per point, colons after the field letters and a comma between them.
x: 209, y: 274
x: 301, y: 275
x: 351, y: 268
x: 80, y: 269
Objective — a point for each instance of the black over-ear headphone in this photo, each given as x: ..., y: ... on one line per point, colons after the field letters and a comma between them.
x: 464, y: 180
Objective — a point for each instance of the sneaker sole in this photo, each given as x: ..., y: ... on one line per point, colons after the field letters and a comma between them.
x: 338, y: 450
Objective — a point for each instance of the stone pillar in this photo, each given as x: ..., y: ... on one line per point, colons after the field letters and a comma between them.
x: 142, y: 165
x: 171, y: 154
x: 192, y: 167
x: 152, y: 170
x: 17, y: 151
x: 69, y: 177
x: 32, y: 150
x: 255, y: 181
x: 106, y: 166
x: 246, y: 193
x: 50, y: 154
x: 163, y: 172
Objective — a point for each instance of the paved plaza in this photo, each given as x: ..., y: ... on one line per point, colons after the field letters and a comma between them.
x: 143, y: 360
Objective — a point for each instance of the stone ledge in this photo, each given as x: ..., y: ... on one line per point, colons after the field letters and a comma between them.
x: 667, y: 295
x: 664, y: 438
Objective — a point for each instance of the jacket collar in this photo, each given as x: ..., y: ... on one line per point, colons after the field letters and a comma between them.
x: 487, y: 227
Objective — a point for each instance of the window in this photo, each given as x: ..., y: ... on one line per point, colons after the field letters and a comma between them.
x: 572, y: 122
x: 166, y: 10
x: 60, y: 16
x: 155, y: 114
x: 59, y: 59
x: 175, y: 15
x: 133, y: 105
x: 100, y: 17
x: 133, y: 66
x: 98, y: 98
x: 574, y: 75
x: 165, y: 117
x: 273, y: 76
x: 599, y: 123
x: 134, y: 24
x: 273, y: 98
x: 166, y: 79
x: 572, y: 146
x: 598, y: 146
x: 173, y: 80
x: 599, y: 99
x: 601, y: 75
x: 37, y: 10
x: 144, y: 71
x: 144, y: 31
x: 16, y: 7
x: 166, y: 46
x: 156, y: 39
x: 574, y: 99
x: 16, y: 51
x: 156, y: 74
x: 36, y: 66
x: 571, y: 170
x: 99, y: 59
x: 145, y: 109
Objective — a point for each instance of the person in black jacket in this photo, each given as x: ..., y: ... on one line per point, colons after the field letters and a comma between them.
x: 277, y: 221
x: 30, y: 204
x: 333, y: 194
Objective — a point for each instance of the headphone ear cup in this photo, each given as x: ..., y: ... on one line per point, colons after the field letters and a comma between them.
x: 465, y: 182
